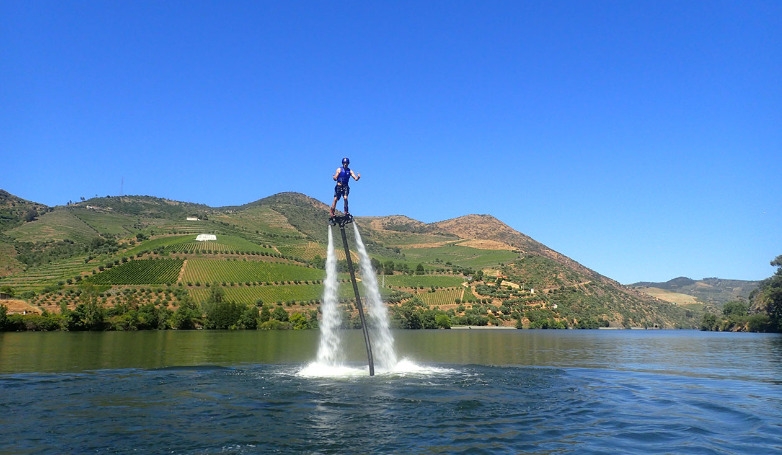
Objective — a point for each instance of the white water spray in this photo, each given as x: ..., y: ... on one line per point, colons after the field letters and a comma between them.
x: 380, y: 334
x: 330, y: 348
x: 330, y: 353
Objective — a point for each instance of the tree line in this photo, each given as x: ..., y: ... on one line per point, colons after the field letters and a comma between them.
x: 763, y: 312
x: 216, y: 313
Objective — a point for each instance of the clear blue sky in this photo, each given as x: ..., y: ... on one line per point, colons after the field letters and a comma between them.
x: 641, y: 138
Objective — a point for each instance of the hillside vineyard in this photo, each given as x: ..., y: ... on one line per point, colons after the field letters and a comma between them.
x: 125, y: 255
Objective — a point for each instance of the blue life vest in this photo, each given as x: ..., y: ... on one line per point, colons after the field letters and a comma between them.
x: 344, y: 176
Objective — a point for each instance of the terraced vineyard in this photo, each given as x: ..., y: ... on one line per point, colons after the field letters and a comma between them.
x: 417, y: 281
x: 258, y: 219
x: 306, y: 251
x: 462, y: 255
x: 287, y: 293
x: 262, y: 248
x: 102, y: 222
x: 435, y: 290
x: 180, y: 227
x: 209, y: 270
x: 214, y: 247
x: 144, y: 271
x: 266, y: 294
x: 442, y: 297
x: 224, y: 244
x: 46, y: 275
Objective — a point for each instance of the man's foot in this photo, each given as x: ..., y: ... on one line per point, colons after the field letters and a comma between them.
x: 331, y: 213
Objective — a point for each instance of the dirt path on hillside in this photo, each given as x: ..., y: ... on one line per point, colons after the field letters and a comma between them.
x: 182, y: 271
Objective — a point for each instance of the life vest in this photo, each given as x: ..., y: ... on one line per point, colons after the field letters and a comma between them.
x: 344, y: 176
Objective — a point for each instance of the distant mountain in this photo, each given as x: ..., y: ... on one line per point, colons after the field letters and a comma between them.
x: 708, y: 290
x: 501, y: 273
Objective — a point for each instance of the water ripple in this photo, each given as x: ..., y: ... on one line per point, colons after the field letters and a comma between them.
x: 437, y: 408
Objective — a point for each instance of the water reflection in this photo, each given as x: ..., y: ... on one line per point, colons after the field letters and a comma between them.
x: 79, y: 351
x: 675, y: 352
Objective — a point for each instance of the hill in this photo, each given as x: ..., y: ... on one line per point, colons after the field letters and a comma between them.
x: 143, y: 250
x: 15, y: 210
x: 714, y: 291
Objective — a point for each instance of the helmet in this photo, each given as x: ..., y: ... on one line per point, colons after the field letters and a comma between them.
x: 345, y: 161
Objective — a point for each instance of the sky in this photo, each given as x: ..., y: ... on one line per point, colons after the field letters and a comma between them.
x: 642, y: 139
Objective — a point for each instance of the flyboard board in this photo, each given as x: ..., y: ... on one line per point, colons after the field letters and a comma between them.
x: 341, y: 220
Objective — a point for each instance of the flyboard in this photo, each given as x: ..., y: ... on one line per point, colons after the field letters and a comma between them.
x: 341, y: 221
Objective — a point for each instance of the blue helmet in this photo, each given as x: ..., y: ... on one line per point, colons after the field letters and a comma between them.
x: 345, y: 161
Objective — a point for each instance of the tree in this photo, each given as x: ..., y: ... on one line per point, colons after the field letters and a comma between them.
x: 443, y: 321
x: 31, y: 215
x: 409, y: 314
x: 89, y: 314
x: 774, y: 294
x: 768, y: 296
x: 7, y: 290
x: 187, y: 316
x: 318, y: 262
x: 223, y: 315
x: 266, y: 314
x: 216, y: 294
x: 249, y: 318
x: 299, y: 321
x: 313, y: 319
x: 388, y: 268
x: 735, y: 308
x: 280, y: 314
x: 150, y: 317
x: 419, y: 269
x: 709, y: 322
x: 3, y: 317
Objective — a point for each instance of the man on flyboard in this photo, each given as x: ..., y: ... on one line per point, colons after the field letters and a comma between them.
x: 342, y: 189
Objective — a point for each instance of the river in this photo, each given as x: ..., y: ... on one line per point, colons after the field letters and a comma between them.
x: 454, y: 391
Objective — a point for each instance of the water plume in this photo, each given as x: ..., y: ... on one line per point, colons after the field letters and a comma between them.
x: 330, y: 351
x: 331, y: 356
x: 380, y: 333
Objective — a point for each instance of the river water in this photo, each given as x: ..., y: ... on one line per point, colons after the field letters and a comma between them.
x: 457, y: 391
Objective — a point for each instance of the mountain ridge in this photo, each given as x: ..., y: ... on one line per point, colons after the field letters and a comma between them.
x: 711, y: 290
x: 527, y: 277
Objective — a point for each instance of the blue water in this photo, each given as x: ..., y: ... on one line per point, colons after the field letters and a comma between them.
x: 587, y: 392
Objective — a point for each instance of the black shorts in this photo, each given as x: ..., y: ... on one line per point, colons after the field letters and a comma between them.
x: 341, y: 190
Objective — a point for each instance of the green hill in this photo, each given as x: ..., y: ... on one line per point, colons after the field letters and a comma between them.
x: 142, y: 250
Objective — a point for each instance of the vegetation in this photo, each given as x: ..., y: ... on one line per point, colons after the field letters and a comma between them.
x: 768, y: 297
x: 413, y: 314
x: 762, y: 314
x: 133, y: 263
x: 235, y: 271
x: 713, y: 291
x: 149, y: 271
x: 91, y: 313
